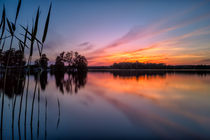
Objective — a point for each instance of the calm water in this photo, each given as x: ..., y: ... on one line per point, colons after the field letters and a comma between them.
x: 106, y: 105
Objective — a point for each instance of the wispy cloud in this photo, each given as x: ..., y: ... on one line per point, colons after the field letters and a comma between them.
x: 149, y: 52
x: 155, y: 29
x: 140, y: 33
x: 204, y: 61
x: 86, y: 46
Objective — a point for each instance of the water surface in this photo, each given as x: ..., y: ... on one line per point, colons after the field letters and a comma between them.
x: 116, y: 104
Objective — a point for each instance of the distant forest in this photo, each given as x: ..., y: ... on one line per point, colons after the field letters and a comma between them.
x: 138, y: 65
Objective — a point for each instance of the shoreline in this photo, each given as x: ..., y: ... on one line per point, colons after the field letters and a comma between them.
x: 152, y: 70
x: 109, y: 69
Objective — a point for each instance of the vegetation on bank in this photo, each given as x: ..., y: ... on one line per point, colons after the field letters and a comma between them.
x: 138, y: 65
x: 70, y: 60
x: 65, y: 61
x: 17, y: 58
x: 14, y: 55
x: 18, y: 45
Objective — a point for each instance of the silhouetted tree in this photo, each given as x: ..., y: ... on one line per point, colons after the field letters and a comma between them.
x: 80, y: 62
x: 16, y: 58
x: 69, y: 58
x: 42, y: 61
x: 138, y: 65
x: 73, y: 60
x: 19, y: 58
x: 59, y: 63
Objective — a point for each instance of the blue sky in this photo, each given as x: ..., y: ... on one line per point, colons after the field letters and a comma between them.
x: 107, y: 31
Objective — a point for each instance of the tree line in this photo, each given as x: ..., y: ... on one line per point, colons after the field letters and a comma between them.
x: 64, y: 61
x: 12, y: 55
x: 139, y: 65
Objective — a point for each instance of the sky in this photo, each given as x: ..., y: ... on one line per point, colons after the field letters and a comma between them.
x: 108, y: 31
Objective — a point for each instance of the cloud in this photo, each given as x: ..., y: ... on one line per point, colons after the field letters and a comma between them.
x: 170, y: 47
x: 205, y: 61
x: 85, y: 46
x: 138, y: 33
x: 165, y: 25
x: 146, y: 48
x: 52, y: 47
x: 55, y: 40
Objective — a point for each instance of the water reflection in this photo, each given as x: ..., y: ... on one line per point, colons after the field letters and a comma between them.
x: 149, y: 73
x: 16, y: 84
x: 132, y: 104
x: 12, y: 83
x: 170, y: 105
x: 71, y: 82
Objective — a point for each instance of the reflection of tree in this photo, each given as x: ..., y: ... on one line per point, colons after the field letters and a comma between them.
x: 59, y: 78
x: 41, y: 79
x: 69, y: 82
x: 14, y: 83
x: 138, y: 74
x: 72, y: 82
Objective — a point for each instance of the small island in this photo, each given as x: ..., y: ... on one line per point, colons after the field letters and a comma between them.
x: 150, y: 67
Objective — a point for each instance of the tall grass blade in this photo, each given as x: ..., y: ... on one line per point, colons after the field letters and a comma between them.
x: 3, y: 16
x: 36, y: 24
x: 13, y: 117
x: 18, y: 10
x: 3, y: 28
x: 30, y: 34
x: 30, y: 39
x: 13, y: 27
x: 25, y: 36
x: 32, y: 43
x: 21, y: 41
x: 26, y: 29
x: 46, y: 24
x: 22, y: 46
x: 40, y: 53
x: 3, y: 44
x: 25, y: 39
x: 19, y: 46
x: 3, y: 23
x: 10, y: 27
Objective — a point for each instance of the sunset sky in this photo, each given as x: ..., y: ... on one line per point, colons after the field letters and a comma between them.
x: 107, y: 31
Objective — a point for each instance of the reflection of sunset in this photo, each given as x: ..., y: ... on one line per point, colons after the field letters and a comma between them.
x: 151, y: 87
x: 105, y: 69
x: 146, y: 96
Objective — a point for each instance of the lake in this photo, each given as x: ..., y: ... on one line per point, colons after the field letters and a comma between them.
x: 106, y: 105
